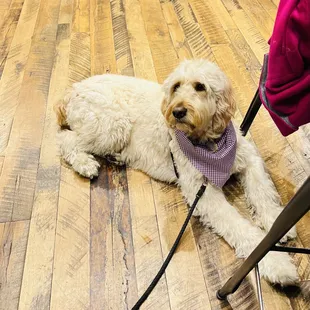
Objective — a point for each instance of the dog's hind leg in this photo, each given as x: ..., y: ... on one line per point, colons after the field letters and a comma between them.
x: 75, y: 154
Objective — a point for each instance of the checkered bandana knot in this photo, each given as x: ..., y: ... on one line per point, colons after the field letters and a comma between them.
x: 216, y: 164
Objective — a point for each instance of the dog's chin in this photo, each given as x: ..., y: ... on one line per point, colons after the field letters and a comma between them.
x: 182, y: 125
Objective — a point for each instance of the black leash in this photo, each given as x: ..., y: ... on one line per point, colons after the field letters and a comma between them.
x: 174, y: 247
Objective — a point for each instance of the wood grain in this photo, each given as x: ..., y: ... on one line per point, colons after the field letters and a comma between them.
x: 38, y: 271
x: 242, y: 48
x: 81, y: 16
x: 13, y: 71
x: 269, y: 7
x: 251, y: 34
x: 20, y: 166
x: 4, y: 8
x: 1, y: 163
x: 7, y: 30
x: 103, y: 56
x: 13, y: 244
x: 258, y: 16
x: 138, y: 41
x: 209, y: 22
x: 176, y: 32
x: 70, y: 285
x: 164, y: 55
x: 121, y: 39
x: 184, y: 292
x: 112, y: 248
x: 198, y: 44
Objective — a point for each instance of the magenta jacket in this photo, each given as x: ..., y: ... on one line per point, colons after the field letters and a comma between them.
x: 285, y: 80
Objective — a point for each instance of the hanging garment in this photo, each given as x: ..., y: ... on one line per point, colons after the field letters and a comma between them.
x: 285, y: 80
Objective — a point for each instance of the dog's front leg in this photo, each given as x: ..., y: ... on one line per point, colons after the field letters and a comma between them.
x: 216, y: 212
x: 260, y: 190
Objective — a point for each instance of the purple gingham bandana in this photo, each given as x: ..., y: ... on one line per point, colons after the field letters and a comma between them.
x: 214, y: 165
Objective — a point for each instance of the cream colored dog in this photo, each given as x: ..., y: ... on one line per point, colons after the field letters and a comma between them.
x: 133, y: 120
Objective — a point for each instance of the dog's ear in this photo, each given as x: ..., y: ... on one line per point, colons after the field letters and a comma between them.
x: 225, y: 108
x: 164, y: 105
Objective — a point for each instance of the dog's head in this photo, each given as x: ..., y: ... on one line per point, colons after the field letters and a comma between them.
x: 198, y: 100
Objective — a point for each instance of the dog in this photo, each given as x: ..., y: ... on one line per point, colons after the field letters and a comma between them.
x: 135, y: 121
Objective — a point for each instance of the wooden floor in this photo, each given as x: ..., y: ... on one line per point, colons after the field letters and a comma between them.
x: 66, y: 243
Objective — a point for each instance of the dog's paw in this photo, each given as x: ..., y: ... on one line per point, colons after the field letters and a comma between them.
x: 86, y: 165
x: 278, y: 268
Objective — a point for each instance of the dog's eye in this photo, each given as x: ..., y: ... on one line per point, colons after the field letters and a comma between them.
x: 175, y: 87
x: 200, y: 87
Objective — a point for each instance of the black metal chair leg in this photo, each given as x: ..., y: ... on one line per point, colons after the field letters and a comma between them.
x: 296, y: 209
x: 251, y: 113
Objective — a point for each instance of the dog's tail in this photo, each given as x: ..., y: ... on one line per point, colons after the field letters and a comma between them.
x: 60, y: 110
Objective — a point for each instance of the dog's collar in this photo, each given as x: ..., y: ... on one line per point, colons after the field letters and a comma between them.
x: 214, y: 164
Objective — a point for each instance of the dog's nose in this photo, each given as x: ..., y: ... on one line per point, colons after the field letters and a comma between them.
x: 179, y: 113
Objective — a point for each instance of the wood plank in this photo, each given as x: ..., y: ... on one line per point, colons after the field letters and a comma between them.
x: 219, y: 264
x: 22, y: 154
x: 209, y: 22
x: 112, y: 257
x: 13, y: 243
x: 7, y: 30
x: 231, y: 5
x: 103, y: 57
x: 65, y: 13
x: 1, y: 163
x: 81, y: 16
x: 198, y: 44
x: 138, y: 41
x: 71, y: 272
x: 269, y: 7
x: 251, y: 34
x: 262, y: 21
x: 121, y: 38
x: 164, y: 55
x: 146, y: 241
x: 222, y: 14
x: 14, y: 69
x: 187, y: 288
x: 301, y: 145
x: 4, y: 8
x: 244, y: 51
x: 38, y: 271
x: 70, y: 286
x: 176, y: 32
x: 276, y: 2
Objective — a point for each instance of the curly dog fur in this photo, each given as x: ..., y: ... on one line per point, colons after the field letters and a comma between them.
x: 133, y: 120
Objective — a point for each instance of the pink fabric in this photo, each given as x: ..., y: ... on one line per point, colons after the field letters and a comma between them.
x: 287, y: 83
